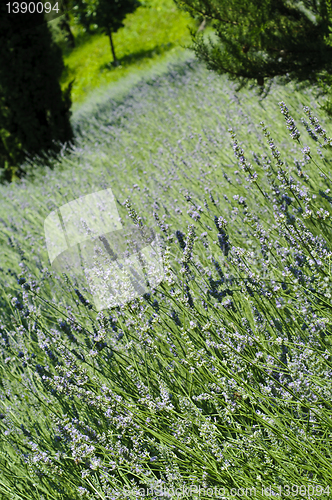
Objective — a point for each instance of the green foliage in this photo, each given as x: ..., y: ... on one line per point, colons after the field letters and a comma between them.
x: 110, y: 15
x: 260, y: 39
x: 64, y: 23
x: 82, y: 11
x: 34, y: 112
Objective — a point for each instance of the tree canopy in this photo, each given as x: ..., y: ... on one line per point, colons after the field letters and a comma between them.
x: 259, y: 39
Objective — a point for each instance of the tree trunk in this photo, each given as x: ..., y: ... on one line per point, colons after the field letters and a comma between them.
x: 115, y: 61
x: 202, y: 26
x: 66, y: 27
x: 260, y: 81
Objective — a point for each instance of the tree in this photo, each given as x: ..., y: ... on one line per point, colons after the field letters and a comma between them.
x: 259, y: 39
x: 82, y: 13
x: 109, y: 16
x: 34, y: 112
x: 65, y: 23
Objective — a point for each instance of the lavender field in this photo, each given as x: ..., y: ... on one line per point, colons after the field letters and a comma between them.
x: 218, y: 383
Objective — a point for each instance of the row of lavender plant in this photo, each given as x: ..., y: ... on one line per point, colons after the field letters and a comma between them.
x: 219, y: 378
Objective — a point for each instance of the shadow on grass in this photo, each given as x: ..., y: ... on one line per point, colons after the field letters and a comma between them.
x: 135, y: 57
x: 82, y: 38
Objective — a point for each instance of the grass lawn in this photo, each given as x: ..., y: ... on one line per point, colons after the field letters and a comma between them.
x: 149, y: 33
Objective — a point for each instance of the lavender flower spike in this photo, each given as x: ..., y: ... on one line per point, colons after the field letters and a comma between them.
x: 294, y: 132
x: 318, y: 129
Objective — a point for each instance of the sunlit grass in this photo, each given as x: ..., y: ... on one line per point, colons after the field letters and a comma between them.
x: 149, y: 33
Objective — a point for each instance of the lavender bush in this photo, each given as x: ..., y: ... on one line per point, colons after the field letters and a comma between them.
x: 220, y: 378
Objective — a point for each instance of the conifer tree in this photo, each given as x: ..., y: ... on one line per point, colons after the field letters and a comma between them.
x: 34, y: 112
x: 261, y: 39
